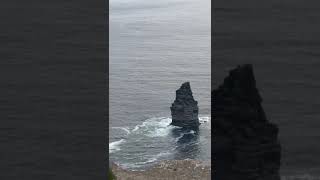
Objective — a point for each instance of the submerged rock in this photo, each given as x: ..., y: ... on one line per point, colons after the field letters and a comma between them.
x: 246, y: 145
x: 184, y: 109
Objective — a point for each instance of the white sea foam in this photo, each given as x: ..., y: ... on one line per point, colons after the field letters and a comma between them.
x: 160, y: 126
x: 122, y: 128
x: 204, y: 119
x: 157, y: 156
x: 137, y: 127
x: 155, y: 127
x: 178, y: 138
x: 151, y: 130
x: 182, y: 134
x: 115, y: 146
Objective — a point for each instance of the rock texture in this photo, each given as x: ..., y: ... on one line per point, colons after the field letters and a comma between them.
x: 167, y: 170
x: 184, y: 109
x: 245, y: 146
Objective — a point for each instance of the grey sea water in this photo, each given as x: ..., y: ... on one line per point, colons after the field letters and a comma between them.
x: 155, y: 46
x: 281, y: 40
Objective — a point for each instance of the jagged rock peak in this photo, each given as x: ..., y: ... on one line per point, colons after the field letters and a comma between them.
x: 243, y: 77
x: 246, y: 144
x: 185, y: 85
x: 184, y: 109
x: 241, y: 85
x: 184, y: 94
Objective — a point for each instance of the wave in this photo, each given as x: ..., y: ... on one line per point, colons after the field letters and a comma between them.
x: 115, y: 146
x: 160, y: 126
x: 157, y: 156
x: 122, y: 128
x: 155, y: 127
x: 182, y: 135
x: 204, y: 119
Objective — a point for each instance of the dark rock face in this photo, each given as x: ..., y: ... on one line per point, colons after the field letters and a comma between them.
x: 184, y: 109
x: 245, y: 146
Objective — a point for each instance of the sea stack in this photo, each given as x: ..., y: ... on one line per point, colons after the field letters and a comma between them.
x: 184, y: 109
x: 246, y: 145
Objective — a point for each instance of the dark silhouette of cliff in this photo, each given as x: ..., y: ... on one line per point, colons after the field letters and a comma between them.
x: 245, y: 143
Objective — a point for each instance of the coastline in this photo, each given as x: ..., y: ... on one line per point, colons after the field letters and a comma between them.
x: 168, y: 169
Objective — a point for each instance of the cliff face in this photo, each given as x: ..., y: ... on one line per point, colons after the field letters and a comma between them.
x: 184, y: 109
x: 245, y: 143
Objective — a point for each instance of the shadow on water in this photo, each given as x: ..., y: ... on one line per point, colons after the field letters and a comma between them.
x: 187, y: 143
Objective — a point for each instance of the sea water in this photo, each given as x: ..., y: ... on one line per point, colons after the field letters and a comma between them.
x: 155, y: 46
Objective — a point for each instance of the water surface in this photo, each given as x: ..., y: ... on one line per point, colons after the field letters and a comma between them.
x: 154, y: 48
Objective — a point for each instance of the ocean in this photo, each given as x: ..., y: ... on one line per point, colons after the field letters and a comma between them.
x: 154, y: 48
x: 282, y: 41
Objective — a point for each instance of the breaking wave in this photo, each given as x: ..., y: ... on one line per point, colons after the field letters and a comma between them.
x: 155, y: 127
x: 115, y: 146
x: 122, y: 128
x: 158, y: 126
x: 152, y: 127
x: 153, y: 140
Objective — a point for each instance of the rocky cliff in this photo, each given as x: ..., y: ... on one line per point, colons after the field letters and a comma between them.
x: 184, y: 109
x: 245, y: 145
x: 167, y: 170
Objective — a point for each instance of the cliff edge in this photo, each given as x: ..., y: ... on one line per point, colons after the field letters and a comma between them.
x: 245, y: 143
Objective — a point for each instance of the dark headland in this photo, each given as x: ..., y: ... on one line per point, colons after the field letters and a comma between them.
x: 245, y: 143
